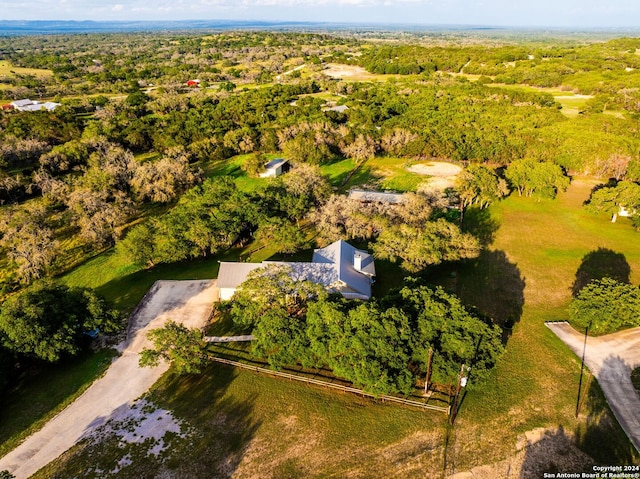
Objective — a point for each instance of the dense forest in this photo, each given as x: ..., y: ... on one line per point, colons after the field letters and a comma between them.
x: 139, y: 163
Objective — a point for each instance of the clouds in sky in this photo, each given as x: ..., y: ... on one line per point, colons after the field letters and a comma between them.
x: 585, y: 13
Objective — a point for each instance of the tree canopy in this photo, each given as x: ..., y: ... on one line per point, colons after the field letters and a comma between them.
x: 605, y: 306
x: 47, y: 320
x: 184, y: 348
x: 418, y: 247
x: 381, y: 346
x: 532, y: 177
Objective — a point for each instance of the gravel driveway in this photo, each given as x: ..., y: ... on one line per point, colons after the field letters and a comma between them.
x: 611, y: 359
x: 187, y: 302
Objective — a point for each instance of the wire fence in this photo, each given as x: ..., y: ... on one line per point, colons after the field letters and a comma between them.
x: 384, y: 398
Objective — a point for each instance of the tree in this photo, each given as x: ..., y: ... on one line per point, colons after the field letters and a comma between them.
x: 479, y: 184
x: 100, y: 214
x: 307, y: 181
x: 29, y: 242
x: 163, y: 180
x: 610, y: 199
x: 184, y: 348
x: 541, y: 178
x: 362, y: 148
x: 439, y: 321
x: 139, y: 244
x: 47, y: 320
x: 272, y: 286
x: 254, y: 164
x: 605, y: 306
x: 281, y: 338
x: 341, y: 217
x: 366, y: 345
x: 305, y: 149
x: 436, y: 242
x: 286, y: 237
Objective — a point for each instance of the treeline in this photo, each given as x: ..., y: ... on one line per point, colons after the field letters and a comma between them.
x: 108, y: 63
x: 381, y: 346
x: 610, y: 70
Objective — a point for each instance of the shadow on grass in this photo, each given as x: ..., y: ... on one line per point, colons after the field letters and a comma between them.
x: 553, y: 453
x: 490, y: 284
x: 598, y: 264
x: 359, y: 176
x: 44, y: 391
x: 600, y: 435
x: 480, y: 224
x: 225, y: 425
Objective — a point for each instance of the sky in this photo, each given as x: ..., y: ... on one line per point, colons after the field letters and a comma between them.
x: 523, y: 13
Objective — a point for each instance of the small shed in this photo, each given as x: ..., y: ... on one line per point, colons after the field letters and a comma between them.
x: 275, y: 168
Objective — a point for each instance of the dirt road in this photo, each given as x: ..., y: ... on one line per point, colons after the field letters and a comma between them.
x: 187, y: 302
x: 611, y: 359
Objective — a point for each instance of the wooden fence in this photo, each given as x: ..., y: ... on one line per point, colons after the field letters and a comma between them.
x: 384, y: 398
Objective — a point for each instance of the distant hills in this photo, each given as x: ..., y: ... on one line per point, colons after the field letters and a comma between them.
x: 39, y: 27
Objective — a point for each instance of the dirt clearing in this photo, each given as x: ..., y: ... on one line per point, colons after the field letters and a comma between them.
x: 443, y: 175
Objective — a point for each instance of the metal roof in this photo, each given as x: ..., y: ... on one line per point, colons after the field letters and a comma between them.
x: 332, y: 267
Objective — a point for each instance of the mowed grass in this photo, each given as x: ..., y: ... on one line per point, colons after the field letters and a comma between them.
x: 246, y: 425
x: 539, y: 246
x: 572, y: 103
x: 382, y: 173
x: 124, y: 283
x: 37, y: 399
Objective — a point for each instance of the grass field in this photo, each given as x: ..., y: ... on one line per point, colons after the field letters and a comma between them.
x: 242, y: 422
x: 38, y: 398
x: 382, y: 173
x: 572, y: 104
x: 6, y: 69
x: 537, y: 250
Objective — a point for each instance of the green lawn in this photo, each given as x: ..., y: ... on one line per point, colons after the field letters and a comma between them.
x: 381, y: 173
x: 290, y: 429
x: 117, y: 279
x: 38, y: 398
x: 247, y: 422
x: 525, y: 279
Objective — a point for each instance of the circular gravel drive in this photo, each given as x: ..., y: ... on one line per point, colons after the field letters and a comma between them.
x: 611, y: 359
x: 186, y: 302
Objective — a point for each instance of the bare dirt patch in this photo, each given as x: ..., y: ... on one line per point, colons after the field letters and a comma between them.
x: 443, y: 175
x: 349, y: 72
x: 440, y: 169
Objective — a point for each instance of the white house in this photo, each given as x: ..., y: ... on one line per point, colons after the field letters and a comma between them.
x: 33, y: 105
x: 339, y: 267
x: 275, y: 168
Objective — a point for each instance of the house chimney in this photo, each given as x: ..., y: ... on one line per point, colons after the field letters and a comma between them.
x: 357, y: 261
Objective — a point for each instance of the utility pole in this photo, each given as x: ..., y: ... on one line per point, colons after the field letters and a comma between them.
x: 427, y: 379
x: 584, y: 352
x: 462, y: 382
